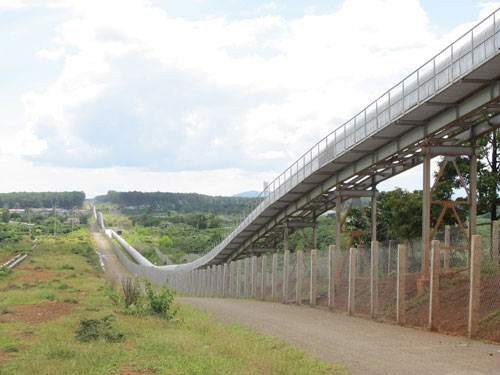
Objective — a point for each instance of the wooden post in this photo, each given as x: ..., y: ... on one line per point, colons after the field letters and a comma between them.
x: 332, y: 266
x: 264, y: 278
x: 475, y: 285
x: 434, y: 285
x: 274, y: 286
x: 238, y: 278
x: 374, y: 280
x: 286, y: 273
x: 352, y: 280
x: 401, y: 287
x: 494, y: 242
x: 254, y: 276
x: 314, y: 277
x: 446, y: 255
x: 300, y: 276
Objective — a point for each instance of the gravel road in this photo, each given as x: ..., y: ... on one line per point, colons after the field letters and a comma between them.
x: 362, y: 346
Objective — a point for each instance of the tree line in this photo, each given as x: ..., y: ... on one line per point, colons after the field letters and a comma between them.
x: 180, y: 202
x: 67, y: 199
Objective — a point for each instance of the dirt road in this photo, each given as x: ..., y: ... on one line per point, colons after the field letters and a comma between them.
x: 362, y: 346
x: 112, y: 265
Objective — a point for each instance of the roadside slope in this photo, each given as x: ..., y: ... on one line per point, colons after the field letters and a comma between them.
x: 363, y: 346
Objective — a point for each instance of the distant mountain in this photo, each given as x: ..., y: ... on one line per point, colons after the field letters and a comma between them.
x: 247, y: 194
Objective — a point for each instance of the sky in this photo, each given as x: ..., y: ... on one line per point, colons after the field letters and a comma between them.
x: 207, y: 96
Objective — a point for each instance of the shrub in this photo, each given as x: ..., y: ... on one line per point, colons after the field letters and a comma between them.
x: 95, y: 329
x: 161, y: 303
x: 5, y: 271
x: 131, y: 291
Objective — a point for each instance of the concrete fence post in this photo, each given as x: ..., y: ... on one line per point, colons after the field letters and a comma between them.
x: 475, y: 286
x: 389, y: 258
x: 248, y: 277
x: 352, y: 280
x: 494, y: 242
x: 224, y: 281
x: 238, y: 279
x: 332, y: 266
x: 434, y: 284
x: 230, y: 279
x: 314, y: 277
x: 401, y: 285
x: 300, y: 276
x: 274, y: 286
x: 254, y: 276
x: 263, y: 278
x: 446, y: 251
x: 374, y: 280
x: 286, y: 274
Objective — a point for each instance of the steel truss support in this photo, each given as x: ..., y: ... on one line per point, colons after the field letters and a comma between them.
x: 427, y: 235
x: 355, y: 197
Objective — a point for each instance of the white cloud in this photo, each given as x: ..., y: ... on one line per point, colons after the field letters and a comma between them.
x: 12, y: 4
x: 140, y: 89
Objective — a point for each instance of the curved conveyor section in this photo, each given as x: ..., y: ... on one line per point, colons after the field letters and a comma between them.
x: 459, y: 81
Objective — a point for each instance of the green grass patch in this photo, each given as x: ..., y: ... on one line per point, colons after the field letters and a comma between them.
x: 192, y: 342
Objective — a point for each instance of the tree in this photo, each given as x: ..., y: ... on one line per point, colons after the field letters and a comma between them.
x: 5, y: 214
x: 488, y: 182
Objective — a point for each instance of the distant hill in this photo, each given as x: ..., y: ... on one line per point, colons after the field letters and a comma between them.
x: 66, y: 199
x: 247, y: 194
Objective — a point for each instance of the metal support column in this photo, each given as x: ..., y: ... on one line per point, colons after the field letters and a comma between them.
x: 374, y: 215
x: 473, y: 196
x: 426, y: 215
x: 338, y: 232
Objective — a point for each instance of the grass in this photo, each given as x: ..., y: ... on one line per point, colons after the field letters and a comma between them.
x: 193, y: 343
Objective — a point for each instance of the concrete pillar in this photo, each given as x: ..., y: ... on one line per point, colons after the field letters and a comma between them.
x: 434, y: 285
x: 264, y: 278
x: 401, y: 287
x: 332, y: 266
x: 238, y: 279
x: 374, y: 215
x: 254, y: 277
x: 286, y: 274
x: 247, y: 277
x: 374, y: 280
x: 218, y: 280
x: 475, y: 286
x: 389, y: 257
x: 352, y: 280
x: 473, y: 194
x: 230, y: 279
x: 314, y: 277
x: 447, y: 237
x: 274, y: 281
x: 494, y: 242
x: 300, y: 277
x: 224, y: 281
x: 426, y: 215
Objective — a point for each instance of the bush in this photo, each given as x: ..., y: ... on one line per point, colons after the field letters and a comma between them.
x: 131, y: 291
x: 95, y: 329
x: 161, y: 303
x: 5, y: 271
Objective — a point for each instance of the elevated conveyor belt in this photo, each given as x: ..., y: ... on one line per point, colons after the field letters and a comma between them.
x: 451, y: 99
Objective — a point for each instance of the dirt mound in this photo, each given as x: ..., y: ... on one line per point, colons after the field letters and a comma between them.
x: 36, y: 313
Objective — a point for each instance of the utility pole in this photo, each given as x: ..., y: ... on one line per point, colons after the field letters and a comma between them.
x: 73, y: 221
